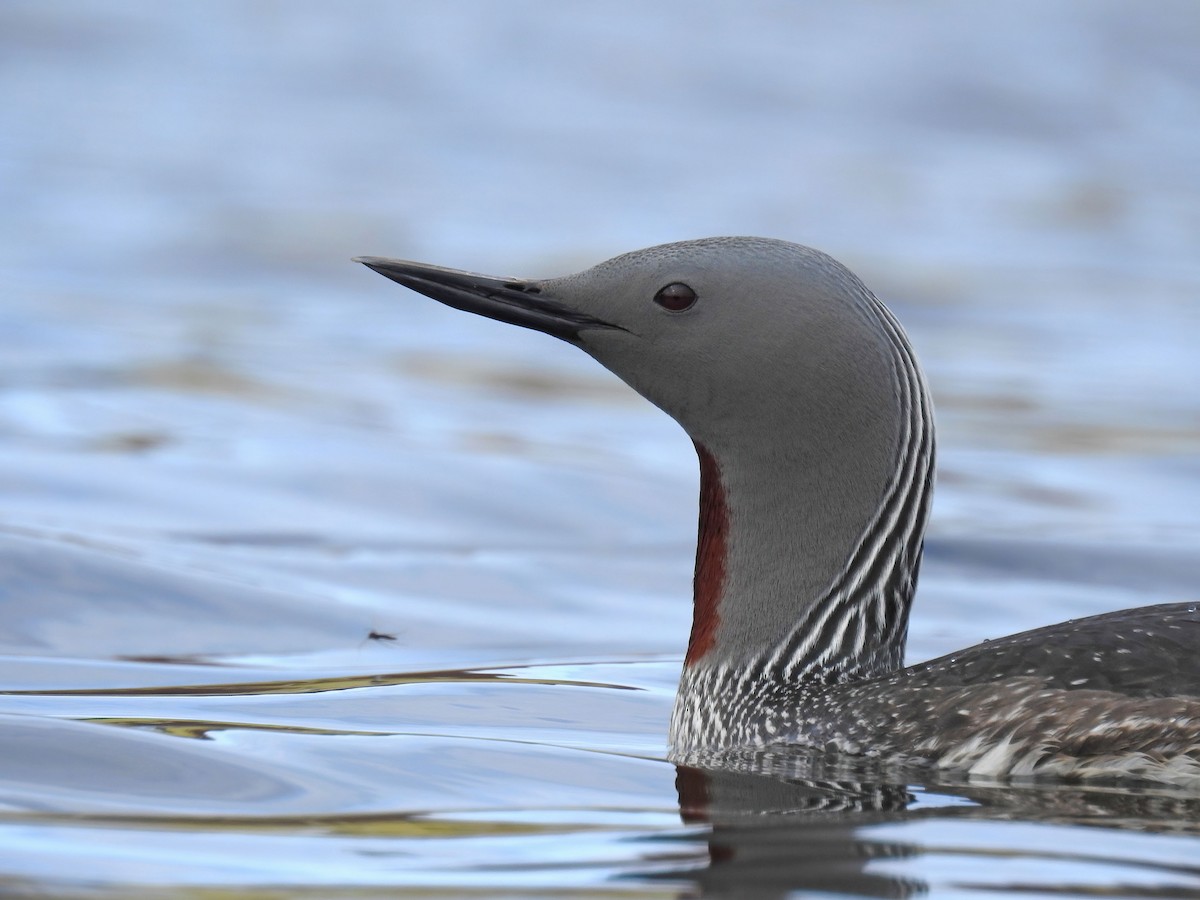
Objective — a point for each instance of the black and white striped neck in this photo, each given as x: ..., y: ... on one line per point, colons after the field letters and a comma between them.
x: 855, y: 627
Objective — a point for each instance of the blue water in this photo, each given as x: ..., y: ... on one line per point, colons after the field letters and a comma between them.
x: 228, y: 456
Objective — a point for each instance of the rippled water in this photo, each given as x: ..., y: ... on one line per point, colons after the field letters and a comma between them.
x: 313, y: 588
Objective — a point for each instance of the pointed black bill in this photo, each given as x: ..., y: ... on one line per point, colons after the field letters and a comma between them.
x: 504, y: 299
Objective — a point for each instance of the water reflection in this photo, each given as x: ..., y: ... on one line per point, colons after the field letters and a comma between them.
x: 371, y: 776
x: 770, y: 835
x: 78, y: 766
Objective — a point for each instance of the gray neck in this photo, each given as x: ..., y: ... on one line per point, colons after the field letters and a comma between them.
x: 820, y: 539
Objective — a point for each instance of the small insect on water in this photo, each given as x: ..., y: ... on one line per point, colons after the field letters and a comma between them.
x: 377, y: 636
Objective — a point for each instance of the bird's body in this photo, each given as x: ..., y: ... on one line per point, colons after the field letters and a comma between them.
x: 1110, y: 695
x: 814, y: 431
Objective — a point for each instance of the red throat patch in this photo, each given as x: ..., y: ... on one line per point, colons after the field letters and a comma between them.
x: 711, y: 546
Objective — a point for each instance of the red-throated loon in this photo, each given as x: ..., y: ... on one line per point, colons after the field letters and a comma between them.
x: 814, y: 431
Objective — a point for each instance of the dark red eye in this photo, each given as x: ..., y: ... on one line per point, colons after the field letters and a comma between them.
x: 676, y: 297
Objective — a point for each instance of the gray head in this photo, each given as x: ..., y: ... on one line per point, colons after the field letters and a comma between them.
x: 799, y: 388
x: 769, y: 325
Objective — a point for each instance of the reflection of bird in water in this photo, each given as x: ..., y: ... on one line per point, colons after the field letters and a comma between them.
x: 814, y: 430
x: 772, y: 837
x: 776, y: 835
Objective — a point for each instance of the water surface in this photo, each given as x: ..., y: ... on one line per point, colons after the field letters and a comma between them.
x: 315, y: 588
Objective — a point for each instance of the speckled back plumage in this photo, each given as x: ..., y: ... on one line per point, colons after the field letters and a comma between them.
x: 1110, y: 695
